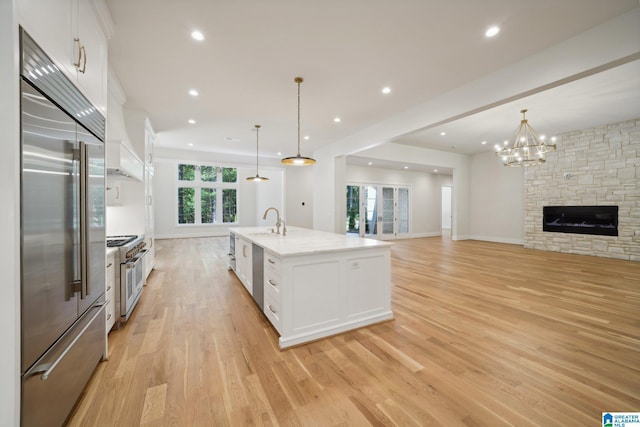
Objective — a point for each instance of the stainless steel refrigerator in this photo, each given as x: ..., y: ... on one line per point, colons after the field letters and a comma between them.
x: 62, y: 240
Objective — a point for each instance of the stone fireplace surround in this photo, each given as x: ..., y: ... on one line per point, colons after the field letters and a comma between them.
x: 591, y: 167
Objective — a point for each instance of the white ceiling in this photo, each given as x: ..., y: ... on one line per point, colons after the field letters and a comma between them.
x: 347, y: 51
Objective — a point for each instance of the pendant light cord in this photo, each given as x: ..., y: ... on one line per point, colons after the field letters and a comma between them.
x: 298, y: 80
x: 257, y: 130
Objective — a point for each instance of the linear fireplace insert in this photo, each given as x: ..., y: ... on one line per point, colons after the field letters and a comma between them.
x: 599, y: 220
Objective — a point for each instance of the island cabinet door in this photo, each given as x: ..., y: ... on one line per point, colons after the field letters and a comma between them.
x: 367, y: 285
x: 244, y: 264
x: 315, y: 300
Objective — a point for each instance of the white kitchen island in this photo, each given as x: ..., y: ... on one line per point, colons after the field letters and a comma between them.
x: 314, y: 284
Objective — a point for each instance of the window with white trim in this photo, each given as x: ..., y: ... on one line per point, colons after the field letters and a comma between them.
x: 207, y: 194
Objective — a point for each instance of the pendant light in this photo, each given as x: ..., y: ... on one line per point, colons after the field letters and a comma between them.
x: 527, y: 148
x: 257, y: 178
x: 298, y: 160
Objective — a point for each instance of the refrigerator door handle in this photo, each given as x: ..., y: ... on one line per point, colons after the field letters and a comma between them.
x: 47, y: 368
x: 84, y: 232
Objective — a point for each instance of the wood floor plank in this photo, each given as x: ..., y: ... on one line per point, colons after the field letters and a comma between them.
x: 154, y: 404
x: 484, y: 334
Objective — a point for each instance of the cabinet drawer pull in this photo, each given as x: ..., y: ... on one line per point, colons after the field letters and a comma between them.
x: 271, y: 309
x: 272, y: 283
x: 271, y: 261
x: 109, y: 316
x: 108, y: 288
x: 109, y: 265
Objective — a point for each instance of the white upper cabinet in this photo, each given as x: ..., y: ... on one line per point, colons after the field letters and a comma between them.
x: 72, y: 33
x: 91, y: 48
x: 49, y: 24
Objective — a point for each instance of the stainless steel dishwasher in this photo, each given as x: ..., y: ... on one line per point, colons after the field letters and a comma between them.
x: 258, y: 275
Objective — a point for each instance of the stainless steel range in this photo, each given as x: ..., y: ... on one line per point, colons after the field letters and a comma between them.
x: 130, y: 275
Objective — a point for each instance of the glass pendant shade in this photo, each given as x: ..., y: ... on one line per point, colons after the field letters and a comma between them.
x: 257, y: 178
x: 526, y: 147
x: 298, y: 160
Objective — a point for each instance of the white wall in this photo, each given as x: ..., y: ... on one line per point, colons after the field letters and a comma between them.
x: 267, y: 194
x: 424, y: 194
x: 299, y: 196
x: 253, y: 197
x: 446, y: 206
x: 9, y: 217
x: 496, y: 200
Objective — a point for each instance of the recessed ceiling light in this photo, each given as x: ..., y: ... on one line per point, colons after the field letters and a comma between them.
x: 197, y: 35
x: 492, y: 31
x: 278, y: 153
x: 306, y: 137
x: 484, y: 142
x: 337, y: 120
x: 443, y: 133
x: 192, y: 122
x: 369, y: 163
x: 386, y: 90
x: 406, y: 167
x: 435, y: 170
x: 190, y: 144
x: 553, y: 139
x: 193, y: 92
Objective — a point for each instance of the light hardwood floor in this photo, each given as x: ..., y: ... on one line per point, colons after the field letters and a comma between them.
x: 485, y: 334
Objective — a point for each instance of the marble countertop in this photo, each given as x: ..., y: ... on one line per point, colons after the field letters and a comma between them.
x: 303, y: 241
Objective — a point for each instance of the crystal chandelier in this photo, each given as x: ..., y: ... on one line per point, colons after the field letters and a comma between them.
x: 298, y: 160
x: 526, y: 149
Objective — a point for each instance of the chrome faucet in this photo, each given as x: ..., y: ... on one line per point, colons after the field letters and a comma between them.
x: 279, y: 221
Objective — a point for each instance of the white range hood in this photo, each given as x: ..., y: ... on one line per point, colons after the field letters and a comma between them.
x: 122, y: 162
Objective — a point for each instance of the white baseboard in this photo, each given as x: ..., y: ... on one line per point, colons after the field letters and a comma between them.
x: 408, y: 236
x: 495, y: 239
x: 419, y: 235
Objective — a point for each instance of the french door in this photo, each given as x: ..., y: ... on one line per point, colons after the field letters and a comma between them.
x: 380, y: 211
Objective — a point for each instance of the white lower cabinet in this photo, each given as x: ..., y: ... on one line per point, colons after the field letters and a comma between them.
x: 244, y: 263
x: 314, y: 296
x: 272, y: 309
x: 314, y: 284
x: 110, y: 312
x: 272, y: 286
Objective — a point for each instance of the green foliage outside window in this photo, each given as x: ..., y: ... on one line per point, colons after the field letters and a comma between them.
x: 203, y: 194
x: 186, y: 210
x: 229, y: 208
x: 208, y: 173
x: 353, y: 208
x: 186, y: 172
x: 208, y: 205
x: 229, y: 175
